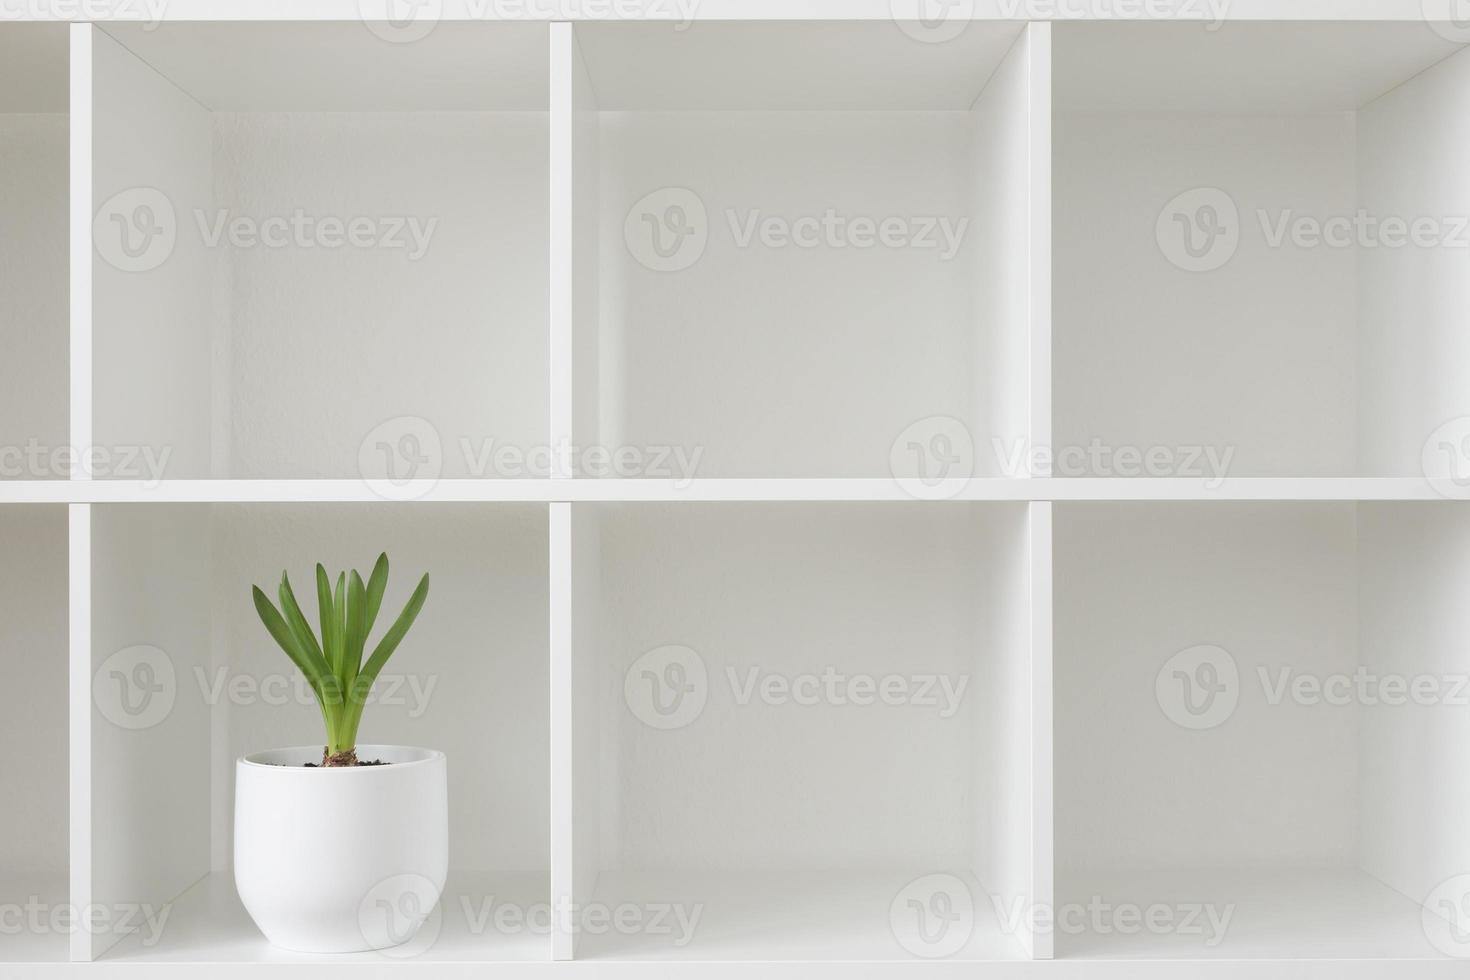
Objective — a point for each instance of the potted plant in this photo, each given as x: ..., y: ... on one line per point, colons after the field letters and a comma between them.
x: 345, y: 849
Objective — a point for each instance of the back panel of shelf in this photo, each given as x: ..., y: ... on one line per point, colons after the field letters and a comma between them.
x: 33, y: 252
x: 801, y: 270
x: 1255, y: 706
x: 739, y: 741
x: 1257, y: 248
x: 347, y: 267
x: 33, y: 730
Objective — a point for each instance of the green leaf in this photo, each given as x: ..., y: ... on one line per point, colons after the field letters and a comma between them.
x: 339, y: 627
x: 356, y: 630
x: 324, y: 610
x: 305, y: 641
x: 296, y: 620
x: 377, y: 584
x: 389, y: 643
x: 280, y: 631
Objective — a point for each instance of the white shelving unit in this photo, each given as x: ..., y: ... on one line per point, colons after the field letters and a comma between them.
x: 737, y: 380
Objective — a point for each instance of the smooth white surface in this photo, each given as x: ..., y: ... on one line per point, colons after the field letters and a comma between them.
x: 33, y: 68
x: 1040, y: 568
x: 1413, y: 568
x: 1237, y: 68
x: 1010, y: 265
x: 1275, y: 784
x: 664, y: 10
x: 33, y: 726
x: 1413, y: 147
x: 728, y: 355
x: 353, y: 888
x: 475, y: 922
x: 456, y: 337
x: 150, y: 831
x: 23, y: 945
x: 1011, y: 796
x: 146, y: 134
x: 80, y: 244
x: 1299, y: 914
x: 791, y: 590
x: 33, y: 298
x: 1257, y: 357
x: 345, y: 67
x: 794, y: 65
x: 610, y: 491
x: 436, y: 333
x: 587, y: 625
x: 782, y: 915
x: 79, y: 718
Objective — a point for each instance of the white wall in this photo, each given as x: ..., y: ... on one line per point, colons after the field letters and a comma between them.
x: 327, y: 344
x: 1413, y: 152
x: 33, y: 727
x: 1275, y: 586
x: 1003, y: 189
x: 787, y: 361
x: 1003, y: 736
x: 149, y: 136
x: 792, y: 589
x: 1259, y: 354
x: 150, y: 785
x: 1415, y: 567
x: 480, y: 641
x: 33, y: 300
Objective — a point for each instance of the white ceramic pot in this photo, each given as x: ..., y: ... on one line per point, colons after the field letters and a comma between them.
x: 341, y: 860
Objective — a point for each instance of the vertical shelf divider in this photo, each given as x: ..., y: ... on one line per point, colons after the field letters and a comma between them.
x: 573, y: 408
x: 1039, y: 64
x: 79, y: 516
x: 1038, y: 43
x: 79, y: 627
x: 562, y: 798
x: 1039, y: 543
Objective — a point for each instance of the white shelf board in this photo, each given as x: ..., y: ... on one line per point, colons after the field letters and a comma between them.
x: 207, y: 924
x: 19, y: 943
x: 1293, y: 68
x: 342, y: 67
x: 1277, y: 914
x: 669, y: 10
x: 776, y: 66
x: 793, y: 916
x: 802, y: 489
